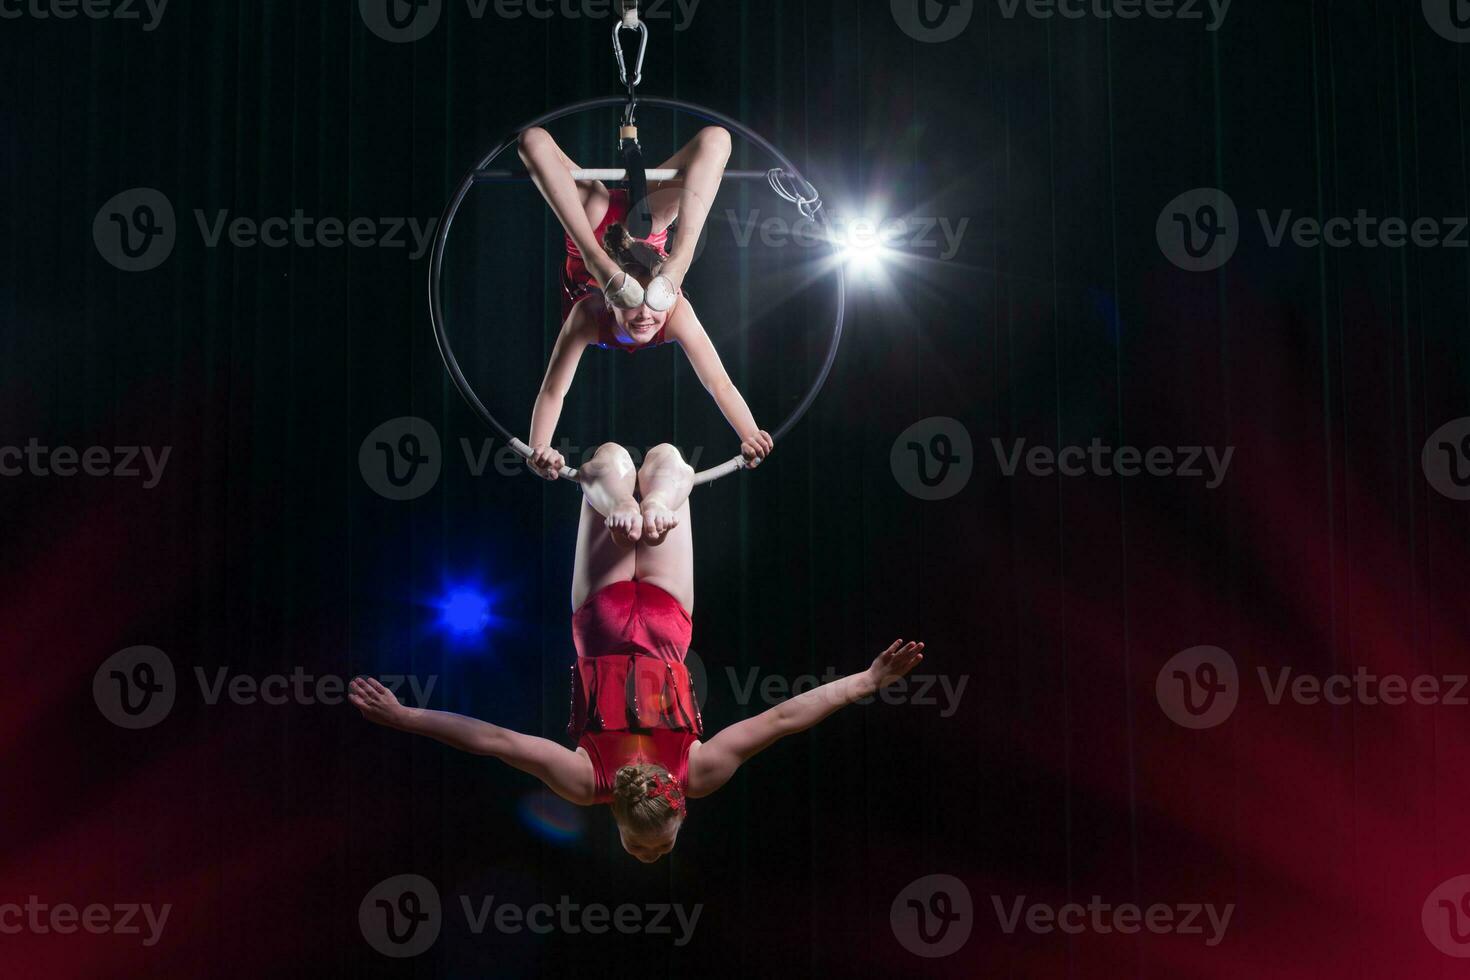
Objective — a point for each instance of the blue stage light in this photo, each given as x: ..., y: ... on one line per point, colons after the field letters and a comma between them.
x: 465, y: 612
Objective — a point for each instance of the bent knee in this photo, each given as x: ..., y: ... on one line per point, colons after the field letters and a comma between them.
x: 667, y: 454
x: 612, y: 450
x: 716, y: 138
x: 534, y: 138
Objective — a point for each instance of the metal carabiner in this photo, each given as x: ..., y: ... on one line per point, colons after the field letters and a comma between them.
x: 641, y: 29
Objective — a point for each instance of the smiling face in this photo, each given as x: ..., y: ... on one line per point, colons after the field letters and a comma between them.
x: 641, y: 323
x: 638, y: 259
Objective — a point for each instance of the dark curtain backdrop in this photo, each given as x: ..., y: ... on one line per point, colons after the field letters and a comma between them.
x: 264, y: 551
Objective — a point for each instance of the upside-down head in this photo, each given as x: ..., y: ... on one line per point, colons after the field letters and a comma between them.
x: 638, y: 259
x: 648, y: 804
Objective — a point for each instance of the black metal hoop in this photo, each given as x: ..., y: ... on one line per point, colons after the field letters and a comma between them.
x: 436, y: 268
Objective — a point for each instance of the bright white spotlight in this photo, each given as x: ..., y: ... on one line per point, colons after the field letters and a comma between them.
x: 863, y: 249
x: 865, y: 261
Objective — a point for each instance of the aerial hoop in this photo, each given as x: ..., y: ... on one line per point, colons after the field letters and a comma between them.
x: 785, y: 180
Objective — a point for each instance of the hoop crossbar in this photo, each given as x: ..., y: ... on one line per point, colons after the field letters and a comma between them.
x: 609, y: 176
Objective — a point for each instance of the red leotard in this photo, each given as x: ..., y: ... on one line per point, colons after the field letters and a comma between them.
x: 617, y: 213
x: 578, y: 283
x: 632, y: 699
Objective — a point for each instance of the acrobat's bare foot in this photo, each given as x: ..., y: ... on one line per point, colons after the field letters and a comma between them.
x: 625, y: 522
x: 658, y: 521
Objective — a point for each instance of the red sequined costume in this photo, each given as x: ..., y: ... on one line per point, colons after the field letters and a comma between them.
x: 632, y: 698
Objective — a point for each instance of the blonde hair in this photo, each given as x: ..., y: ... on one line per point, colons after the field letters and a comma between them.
x: 633, y: 807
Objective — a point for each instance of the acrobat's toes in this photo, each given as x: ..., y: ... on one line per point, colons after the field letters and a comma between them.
x: 658, y: 521
x: 625, y: 523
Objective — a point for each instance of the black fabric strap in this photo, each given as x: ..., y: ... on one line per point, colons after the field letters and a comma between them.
x: 640, y: 211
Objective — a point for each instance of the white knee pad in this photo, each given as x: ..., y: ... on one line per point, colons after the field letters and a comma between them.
x: 624, y: 292
x: 661, y: 295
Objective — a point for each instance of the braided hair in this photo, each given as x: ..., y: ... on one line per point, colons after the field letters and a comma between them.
x: 646, y: 798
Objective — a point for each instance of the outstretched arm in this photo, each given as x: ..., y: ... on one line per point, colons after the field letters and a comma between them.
x: 565, y: 356
x: 712, y: 764
x: 684, y: 326
x: 566, y: 773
